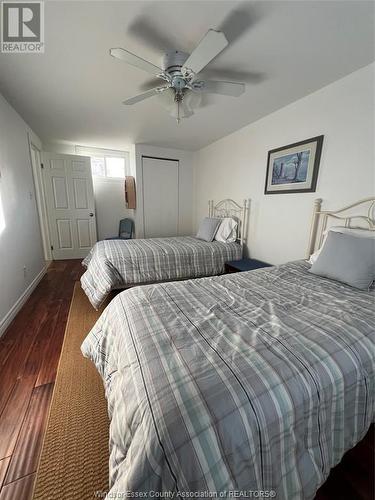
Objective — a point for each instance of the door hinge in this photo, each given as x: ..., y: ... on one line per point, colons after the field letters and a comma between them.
x: 51, y: 247
x: 42, y: 166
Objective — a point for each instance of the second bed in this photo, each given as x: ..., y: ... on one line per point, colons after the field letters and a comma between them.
x: 114, y: 264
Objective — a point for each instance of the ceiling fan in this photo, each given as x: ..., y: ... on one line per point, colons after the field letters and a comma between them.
x: 182, y: 87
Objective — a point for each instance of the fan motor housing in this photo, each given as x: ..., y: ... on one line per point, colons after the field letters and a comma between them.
x: 173, y: 60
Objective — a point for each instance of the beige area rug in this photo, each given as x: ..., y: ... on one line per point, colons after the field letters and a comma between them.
x: 74, y: 459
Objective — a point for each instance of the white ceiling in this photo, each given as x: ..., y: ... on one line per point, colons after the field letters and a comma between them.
x: 285, y: 50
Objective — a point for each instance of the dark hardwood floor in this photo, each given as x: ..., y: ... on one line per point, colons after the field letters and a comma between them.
x: 29, y: 354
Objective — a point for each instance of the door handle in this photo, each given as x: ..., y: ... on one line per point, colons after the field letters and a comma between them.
x: 91, y: 214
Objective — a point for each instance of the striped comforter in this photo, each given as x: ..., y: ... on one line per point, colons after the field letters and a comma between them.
x: 117, y: 263
x: 251, y: 381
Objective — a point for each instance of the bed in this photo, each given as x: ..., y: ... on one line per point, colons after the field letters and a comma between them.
x: 114, y: 264
x: 250, y: 382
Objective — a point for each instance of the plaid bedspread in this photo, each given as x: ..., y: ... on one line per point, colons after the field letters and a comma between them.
x: 251, y: 381
x: 118, y: 263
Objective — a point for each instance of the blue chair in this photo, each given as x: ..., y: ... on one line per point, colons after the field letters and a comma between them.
x: 125, y: 230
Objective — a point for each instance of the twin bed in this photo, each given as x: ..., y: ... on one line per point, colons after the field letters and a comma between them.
x: 116, y: 264
x: 256, y: 381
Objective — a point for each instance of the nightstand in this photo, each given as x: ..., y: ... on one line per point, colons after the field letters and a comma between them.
x: 238, y: 266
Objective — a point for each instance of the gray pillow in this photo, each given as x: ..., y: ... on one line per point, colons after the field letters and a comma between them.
x: 347, y: 258
x: 208, y: 228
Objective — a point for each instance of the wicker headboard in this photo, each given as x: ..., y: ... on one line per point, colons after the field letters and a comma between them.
x: 229, y: 208
x: 360, y: 215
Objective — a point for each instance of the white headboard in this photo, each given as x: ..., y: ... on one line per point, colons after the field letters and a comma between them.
x: 229, y: 208
x: 359, y: 215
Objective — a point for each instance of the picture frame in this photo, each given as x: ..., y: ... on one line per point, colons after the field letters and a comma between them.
x: 294, y: 168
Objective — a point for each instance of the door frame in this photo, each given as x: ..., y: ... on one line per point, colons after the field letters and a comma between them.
x: 40, y: 199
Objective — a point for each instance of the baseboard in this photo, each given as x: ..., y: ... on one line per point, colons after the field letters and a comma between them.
x: 11, y: 314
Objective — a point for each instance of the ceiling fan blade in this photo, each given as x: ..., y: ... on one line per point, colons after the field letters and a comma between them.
x: 208, y: 48
x: 134, y: 60
x: 144, y: 95
x: 224, y: 88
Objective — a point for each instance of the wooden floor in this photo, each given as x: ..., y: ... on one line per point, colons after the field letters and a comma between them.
x: 29, y: 354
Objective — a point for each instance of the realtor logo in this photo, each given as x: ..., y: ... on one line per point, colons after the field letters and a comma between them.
x: 22, y: 27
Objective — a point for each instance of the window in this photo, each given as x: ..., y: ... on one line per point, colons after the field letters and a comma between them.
x: 97, y: 166
x: 106, y: 163
x: 108, y: 166
x: 115, y: 167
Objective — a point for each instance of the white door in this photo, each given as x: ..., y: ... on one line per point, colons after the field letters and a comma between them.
x: 160, y: 197
x: 70, y: 205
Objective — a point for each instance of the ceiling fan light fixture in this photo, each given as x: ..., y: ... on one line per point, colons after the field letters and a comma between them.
x: 179, y: 109
x: 193, y: 99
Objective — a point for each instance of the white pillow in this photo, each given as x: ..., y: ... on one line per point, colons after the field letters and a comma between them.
x: 227, y: 230
x: 362, y: 233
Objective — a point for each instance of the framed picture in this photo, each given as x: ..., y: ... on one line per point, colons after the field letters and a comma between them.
x: 294, y: 168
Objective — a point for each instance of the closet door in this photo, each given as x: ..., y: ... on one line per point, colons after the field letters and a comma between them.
x: 160, y: 197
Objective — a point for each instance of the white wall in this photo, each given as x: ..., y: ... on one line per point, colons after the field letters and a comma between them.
x: 185, y: 193
x: 20, y: 237
x: 109, y: 206
x: 235, y: 166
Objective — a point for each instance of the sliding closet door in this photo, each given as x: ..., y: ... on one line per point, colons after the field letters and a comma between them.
x: 160, y: 197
